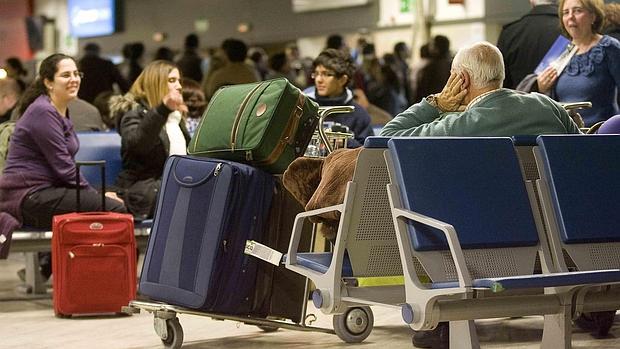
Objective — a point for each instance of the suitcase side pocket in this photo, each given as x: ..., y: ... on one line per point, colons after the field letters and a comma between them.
x: 97, y: 278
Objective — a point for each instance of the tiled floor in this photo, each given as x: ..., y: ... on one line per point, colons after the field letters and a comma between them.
x: 31, y: 324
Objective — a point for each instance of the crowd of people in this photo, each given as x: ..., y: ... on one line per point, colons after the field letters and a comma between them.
x: 382, y: 86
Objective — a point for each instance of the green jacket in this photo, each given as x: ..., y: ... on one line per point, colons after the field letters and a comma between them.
x: 503, y: 112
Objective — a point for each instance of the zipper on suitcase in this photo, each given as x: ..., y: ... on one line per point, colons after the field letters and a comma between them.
x: 218, y: 169
x: 72, y: 254
x: 235, y: 128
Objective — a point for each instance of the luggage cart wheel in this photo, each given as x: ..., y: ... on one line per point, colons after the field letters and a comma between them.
x: 354, y: 325
x: 173, y: 338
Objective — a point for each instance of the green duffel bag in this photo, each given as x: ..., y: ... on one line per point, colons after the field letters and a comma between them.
x: 265, y: 124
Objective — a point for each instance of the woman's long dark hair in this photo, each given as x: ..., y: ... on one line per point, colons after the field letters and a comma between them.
x: 47, y: 70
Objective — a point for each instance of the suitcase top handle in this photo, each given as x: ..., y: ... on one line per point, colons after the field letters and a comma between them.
x: 186, y: 174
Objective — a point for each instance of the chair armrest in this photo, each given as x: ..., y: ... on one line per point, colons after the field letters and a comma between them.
x: 298, y: 226
x: 453, y: 241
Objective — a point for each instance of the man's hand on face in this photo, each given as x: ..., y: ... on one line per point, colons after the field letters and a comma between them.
x: 452, y: 95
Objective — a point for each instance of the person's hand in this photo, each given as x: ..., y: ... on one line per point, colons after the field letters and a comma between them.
x: 112, y: 195
x: 174, y: 100
x: 546, y: 79
x: 452, y: 95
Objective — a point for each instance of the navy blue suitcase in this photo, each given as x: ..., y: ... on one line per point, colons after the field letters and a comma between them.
x: 205, y: 212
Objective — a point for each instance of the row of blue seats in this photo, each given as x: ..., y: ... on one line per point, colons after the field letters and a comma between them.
x: 462, y: 212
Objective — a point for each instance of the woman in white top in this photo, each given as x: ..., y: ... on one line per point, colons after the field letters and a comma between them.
x: 149, y: 120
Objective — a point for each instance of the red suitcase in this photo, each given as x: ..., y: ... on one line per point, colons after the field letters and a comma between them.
x: 93, y: 261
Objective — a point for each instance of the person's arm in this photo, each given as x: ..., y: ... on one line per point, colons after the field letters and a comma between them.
x: 565, y: 118
x: 423, y: 119
x: 613, y: 59
x: 407, y: 122
x: 139, y: 133
x: 562, y: 115
x: 49, y: 136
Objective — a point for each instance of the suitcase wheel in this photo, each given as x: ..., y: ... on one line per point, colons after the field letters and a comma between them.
x: 62, y: 316
x: 354, y: 325
x: 173, y: 336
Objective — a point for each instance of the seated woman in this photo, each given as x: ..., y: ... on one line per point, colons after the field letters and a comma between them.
x: 333, y: 70
x: 149, y: 120
x: 39, y: 180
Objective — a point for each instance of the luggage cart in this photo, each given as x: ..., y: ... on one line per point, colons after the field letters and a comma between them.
x: 169, y: 329
x: 324, y: 141
x: 352, y: 327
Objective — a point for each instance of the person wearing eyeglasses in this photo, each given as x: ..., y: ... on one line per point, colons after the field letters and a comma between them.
x: 332, y: 73
x: 149, y: 119
x: 39, y: 179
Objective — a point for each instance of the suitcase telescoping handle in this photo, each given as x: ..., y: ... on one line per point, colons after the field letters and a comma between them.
x: 78, y: 164
x: 325, y: 112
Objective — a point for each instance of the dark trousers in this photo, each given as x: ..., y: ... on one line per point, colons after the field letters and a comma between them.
x: 39, y: 207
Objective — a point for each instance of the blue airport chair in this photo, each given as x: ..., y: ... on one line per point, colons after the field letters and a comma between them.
x: 461, y: 207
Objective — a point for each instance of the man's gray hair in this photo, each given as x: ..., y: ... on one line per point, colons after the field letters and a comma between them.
x: 483, y: 62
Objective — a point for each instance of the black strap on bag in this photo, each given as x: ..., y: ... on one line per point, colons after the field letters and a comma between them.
x: 101, y: 164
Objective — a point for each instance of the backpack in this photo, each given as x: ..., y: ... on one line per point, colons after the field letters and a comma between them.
x: 6, y: 130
